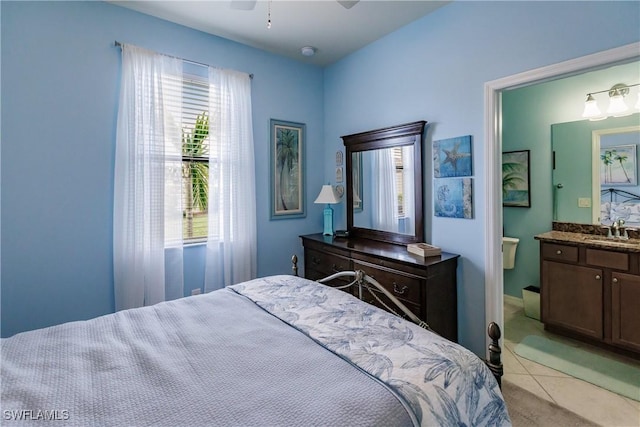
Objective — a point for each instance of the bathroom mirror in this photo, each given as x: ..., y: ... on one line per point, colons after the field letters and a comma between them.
x: 384, y: 183
x: 577, y: 165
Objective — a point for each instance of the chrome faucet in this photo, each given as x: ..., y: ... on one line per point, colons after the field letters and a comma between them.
x: 618, y: 225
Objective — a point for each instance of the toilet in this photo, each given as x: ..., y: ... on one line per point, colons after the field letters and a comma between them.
x: 509, y: 245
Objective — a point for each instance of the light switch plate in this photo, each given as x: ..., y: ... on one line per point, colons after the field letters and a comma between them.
x: 584, y: 202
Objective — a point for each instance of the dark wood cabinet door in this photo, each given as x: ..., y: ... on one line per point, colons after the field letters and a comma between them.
x: 572, y: 297
x: 625, y: 310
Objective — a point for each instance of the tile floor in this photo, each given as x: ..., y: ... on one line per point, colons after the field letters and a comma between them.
x: 589, y: 401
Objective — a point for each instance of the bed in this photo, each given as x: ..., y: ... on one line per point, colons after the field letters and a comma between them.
x: 278, y: 350
x: 619, y: 204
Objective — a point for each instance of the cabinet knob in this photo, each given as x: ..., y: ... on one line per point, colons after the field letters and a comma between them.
x: 615, y: 280
x: 597, y: 277
x: 401, y: 290
x: 558, y: 252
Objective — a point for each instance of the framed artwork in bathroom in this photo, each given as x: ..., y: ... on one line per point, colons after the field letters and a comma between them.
x: 515, y: 179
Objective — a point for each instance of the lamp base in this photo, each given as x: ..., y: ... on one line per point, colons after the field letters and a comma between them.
x: 328, y: 221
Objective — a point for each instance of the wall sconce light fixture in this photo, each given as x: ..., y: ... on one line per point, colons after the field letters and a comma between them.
x: 617, y: 106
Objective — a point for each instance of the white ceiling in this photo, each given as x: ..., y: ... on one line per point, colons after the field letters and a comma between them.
x: 332, y: 29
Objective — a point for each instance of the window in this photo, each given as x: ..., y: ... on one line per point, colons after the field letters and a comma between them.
x: 178, y: 125
x: 195, y: 157
x: 399, y: 174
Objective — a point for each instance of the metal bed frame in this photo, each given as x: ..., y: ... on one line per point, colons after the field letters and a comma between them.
x: 613, y: 192
x: 365, y: 282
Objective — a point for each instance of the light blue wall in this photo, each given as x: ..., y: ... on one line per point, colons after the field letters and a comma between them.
x: 435, y: 69
x: 59, y: 102
x: 528, y: 114
x: 60, y: 83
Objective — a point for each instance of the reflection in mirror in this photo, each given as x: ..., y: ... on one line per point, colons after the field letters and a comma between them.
x: 383, y: 190
x: 357, y: 182
x: 581, y: 165
x: 615, y: 166
x: 384, y: 183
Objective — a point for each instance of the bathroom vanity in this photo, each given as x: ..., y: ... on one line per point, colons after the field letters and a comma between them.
x: 590, y: 288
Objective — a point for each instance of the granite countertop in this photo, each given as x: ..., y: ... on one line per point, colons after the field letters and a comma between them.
x: 589, y: 240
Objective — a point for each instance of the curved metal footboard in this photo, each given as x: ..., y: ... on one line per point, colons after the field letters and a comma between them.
x: 365, y: 282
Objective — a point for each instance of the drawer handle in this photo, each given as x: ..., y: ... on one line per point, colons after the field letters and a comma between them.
x: 597, y: 277
x: 558, y: 252
x: 615, y: 280
x: 399, y: 291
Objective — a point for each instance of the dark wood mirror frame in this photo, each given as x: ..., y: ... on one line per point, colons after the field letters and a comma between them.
x: 394, y: 136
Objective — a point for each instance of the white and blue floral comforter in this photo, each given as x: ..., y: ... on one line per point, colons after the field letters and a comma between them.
x: 444, y: 383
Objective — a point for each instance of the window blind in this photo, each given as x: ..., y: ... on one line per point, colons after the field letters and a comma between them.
x: 187, y: 103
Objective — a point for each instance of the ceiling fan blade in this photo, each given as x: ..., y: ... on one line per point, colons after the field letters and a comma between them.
x: 348, y: 4
x: 243, y: 4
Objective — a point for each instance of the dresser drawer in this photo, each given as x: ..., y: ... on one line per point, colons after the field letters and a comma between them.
x: 325, y: 263
x: 615, y: 260
x: 427, y: 287
x: 369, y: 297
x: 401, y: 286
x: 559, y: 252
x: 391, y: 264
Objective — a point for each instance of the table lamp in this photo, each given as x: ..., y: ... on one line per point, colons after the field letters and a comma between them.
x: 327, y: 195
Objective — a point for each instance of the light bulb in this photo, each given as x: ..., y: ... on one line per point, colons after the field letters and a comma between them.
x: 308, y: 50
x: 617, y: 106
x: 591, y: 110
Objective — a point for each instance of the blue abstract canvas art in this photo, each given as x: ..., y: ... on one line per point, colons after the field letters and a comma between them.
x: 452, y: 198
x: 452, y: 157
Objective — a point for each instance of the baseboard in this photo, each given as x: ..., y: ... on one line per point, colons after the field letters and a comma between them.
x: 513, y: 300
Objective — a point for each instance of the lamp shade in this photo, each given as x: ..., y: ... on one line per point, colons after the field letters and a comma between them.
x: 327, y: 195
x: 591, y: 110
x: 617, y: 106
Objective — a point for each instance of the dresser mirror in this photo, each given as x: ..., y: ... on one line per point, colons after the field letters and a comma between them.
x: 384, y: 183
x: 578, y: 193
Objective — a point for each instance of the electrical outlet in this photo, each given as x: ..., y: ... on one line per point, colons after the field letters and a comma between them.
x: 195, y: 291
x: 584, y: 202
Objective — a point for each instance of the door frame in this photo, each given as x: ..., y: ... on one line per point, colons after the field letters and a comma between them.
x: 493, y: 278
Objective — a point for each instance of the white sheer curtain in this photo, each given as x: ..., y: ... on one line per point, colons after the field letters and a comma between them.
x: 408, y: 189
x: 385, y: 196
x: 147, y: 230
x: 232, y: 241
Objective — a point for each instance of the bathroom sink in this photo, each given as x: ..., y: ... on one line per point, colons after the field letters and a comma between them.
x: 612, y: 242
x: 597, y: 238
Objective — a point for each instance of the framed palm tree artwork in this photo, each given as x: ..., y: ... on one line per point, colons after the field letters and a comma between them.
x: 287, y: 173
x: 515, y: 179
x: 618, y: 165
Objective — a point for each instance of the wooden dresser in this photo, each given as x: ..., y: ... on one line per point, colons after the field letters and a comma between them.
x: 427, y: 286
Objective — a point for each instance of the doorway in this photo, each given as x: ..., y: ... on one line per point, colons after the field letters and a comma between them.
x: 494, y: 285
